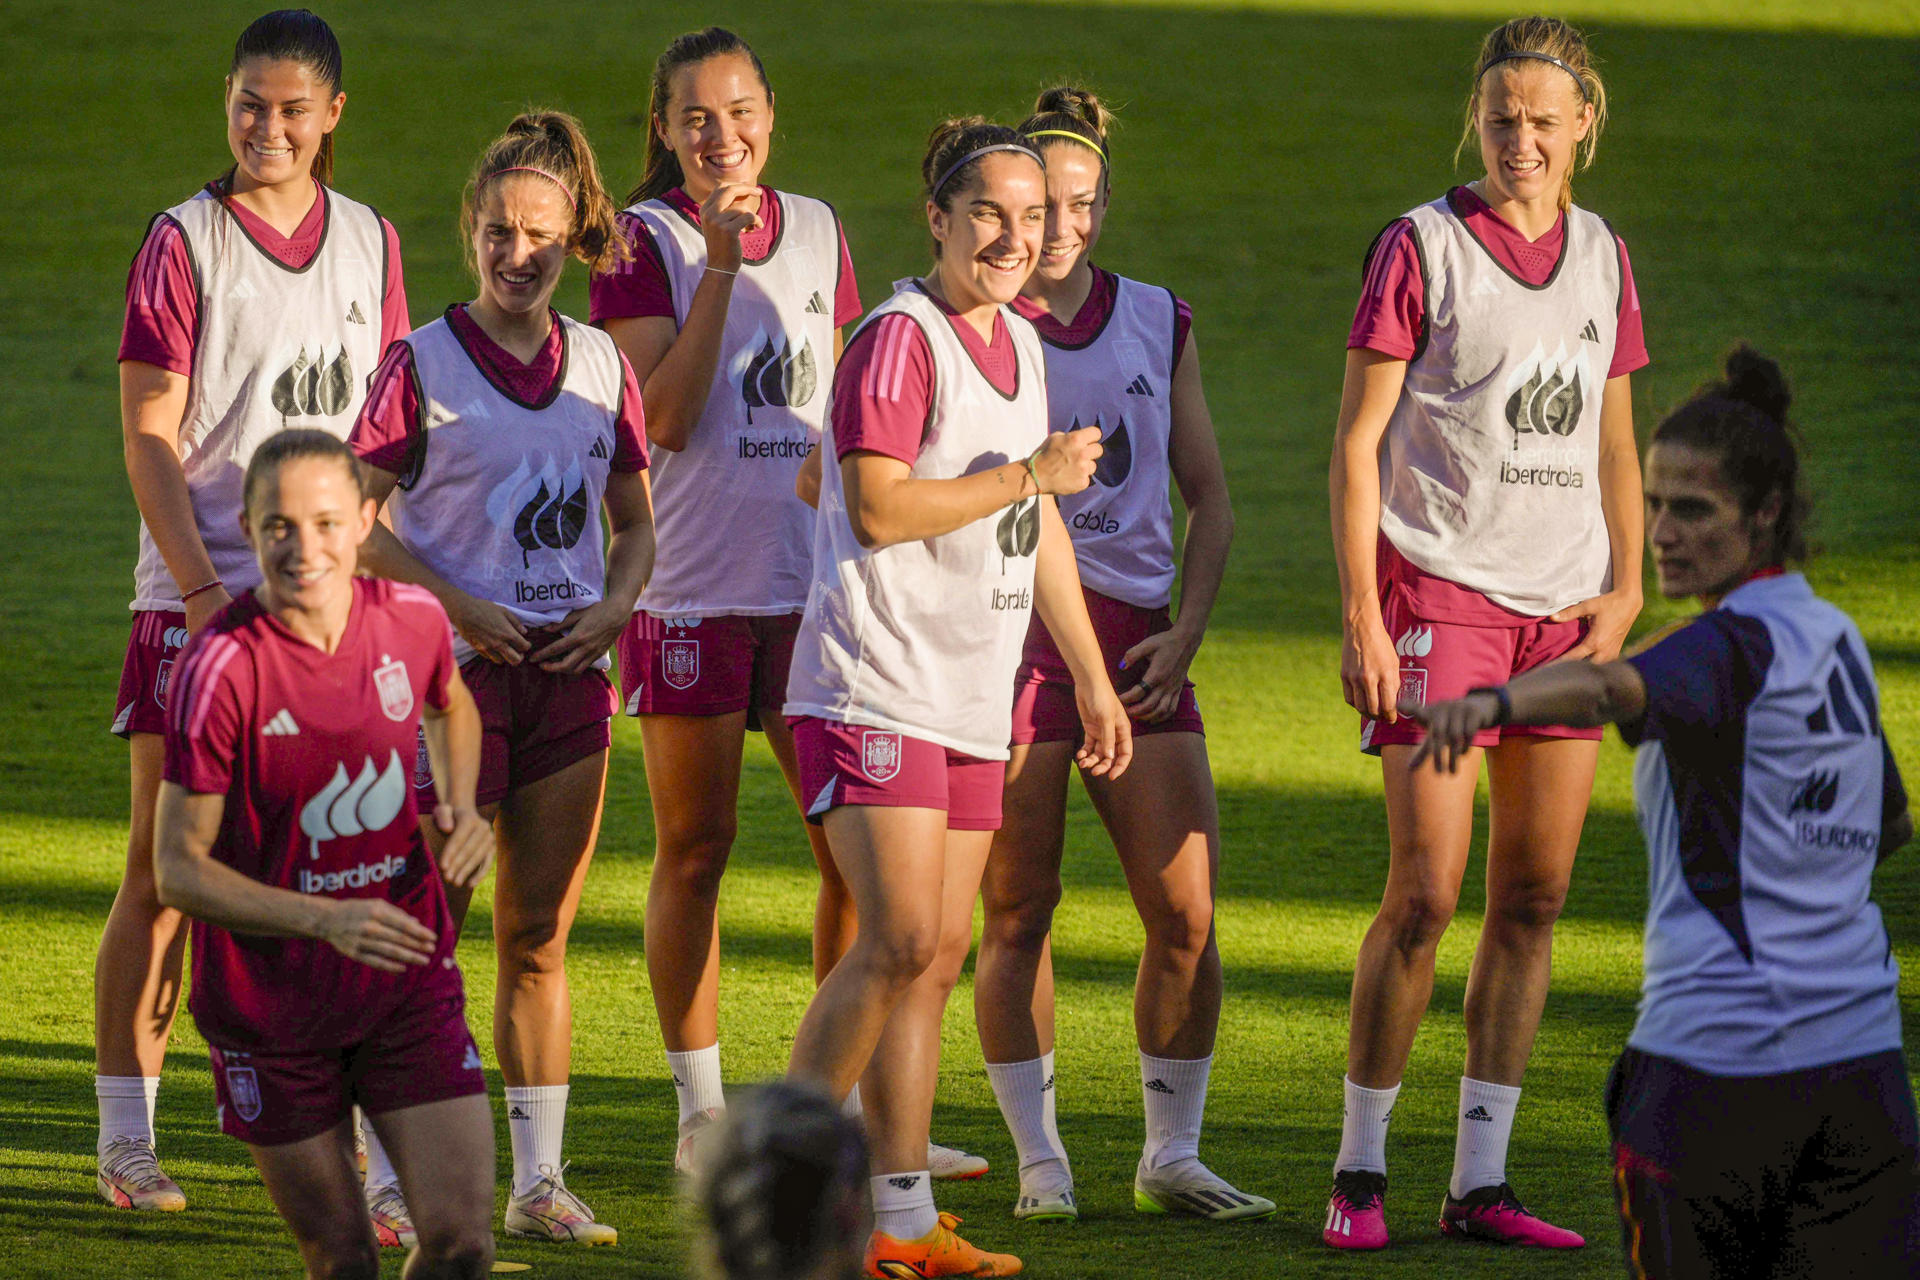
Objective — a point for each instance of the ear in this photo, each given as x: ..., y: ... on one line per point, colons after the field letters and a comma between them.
x: 368, y: 514
x: 1766, y: 517
x: 1582, y: 129
x: 333, y: 111
x: 937, y: 221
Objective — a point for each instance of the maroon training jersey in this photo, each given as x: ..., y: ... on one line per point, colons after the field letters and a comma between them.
x: 314, y: 754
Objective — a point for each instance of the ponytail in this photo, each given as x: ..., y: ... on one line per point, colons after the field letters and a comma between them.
x: 299, y: 36
x: 662, y: 173
x: 1075, y: 112
x: 551, y: 145
x: 1555, y: 43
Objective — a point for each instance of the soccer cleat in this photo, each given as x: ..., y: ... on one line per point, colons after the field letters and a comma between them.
x: 938, y: 1253
x: 1189, y: 1187
x: 950, y: 1164
x: 129, y: 1177
x: 1356, y: 1215
x: 551, y: 1212
x: 1495, y: 1214
x: 695, y: 1130
x: 1046, y: 1193
x: 392, y: 1225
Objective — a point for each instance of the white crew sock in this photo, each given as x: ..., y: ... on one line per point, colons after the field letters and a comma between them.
x: 1363, y: 1128
x: 851, y: 1107
x: 380, y: 1171
x: 903, y: 1204
x: 1026, y: 1096
x: 1480, y: 1141
x: 696, y: 1080
x: 536, y: 1121
x: 1175, y: 1093
x: 126, y: 1108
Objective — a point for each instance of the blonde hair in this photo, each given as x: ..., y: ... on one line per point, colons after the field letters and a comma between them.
x: 1554, y: 39
x: 553, y: 144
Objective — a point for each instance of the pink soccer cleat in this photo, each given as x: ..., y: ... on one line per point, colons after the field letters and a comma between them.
x: 1495, y: 1214
x: 1356, y: 1215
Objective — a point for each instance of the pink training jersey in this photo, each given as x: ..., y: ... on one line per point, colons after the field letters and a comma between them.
x: 1391, y: 317
x: 885, y: 389
x: 313, y: 753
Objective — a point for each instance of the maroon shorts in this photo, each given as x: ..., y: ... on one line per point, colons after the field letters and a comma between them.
x: 533, y: 724
x: 1043, y: 705
x: 420, y: 1053
x: 706, y: 666
x: 152, y: 650
x: 1444, y: 660
x: 851, y: 764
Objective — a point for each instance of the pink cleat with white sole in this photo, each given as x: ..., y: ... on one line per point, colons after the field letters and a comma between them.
x: 1495, y: 1214
x: 1356, y: 1215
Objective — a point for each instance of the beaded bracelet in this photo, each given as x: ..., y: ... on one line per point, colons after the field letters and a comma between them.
x: 203, y: 587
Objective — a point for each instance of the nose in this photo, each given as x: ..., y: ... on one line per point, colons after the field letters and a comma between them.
x: 1056, y: 228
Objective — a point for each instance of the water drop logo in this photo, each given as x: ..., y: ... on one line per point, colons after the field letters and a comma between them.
x: 1546, y: 395
x: 367, y: 802
x: 1416, y: 643
x: 778, y: 376
x: 547, y: 509
x: 314, y: 388
x: 1115, y: 463
x: 1019, y: 529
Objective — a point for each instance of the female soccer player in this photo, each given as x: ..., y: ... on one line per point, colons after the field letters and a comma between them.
x: 1498, y: 528
x: 1120, y: 357
x: 730, y: 312
x: 937, y: 538
x: 286, y: 830
x: 260, y: 303
x: 496, y: 435
x: 1762, y: 1116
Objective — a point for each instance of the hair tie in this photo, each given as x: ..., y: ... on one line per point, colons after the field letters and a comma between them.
x: 975, y: 154
x: 1540, y: 57
x: 1080, y: 138
x: 527, y: 168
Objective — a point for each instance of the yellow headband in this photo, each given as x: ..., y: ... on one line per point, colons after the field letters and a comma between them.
x: 1080, y: 138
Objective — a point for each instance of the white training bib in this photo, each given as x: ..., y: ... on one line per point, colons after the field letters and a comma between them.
x: 505, y: 500
x: 1491, y: 473
x: 1121, y: 380
x: 923, y: 638
x: 732, y: 536
x: 276, y: 347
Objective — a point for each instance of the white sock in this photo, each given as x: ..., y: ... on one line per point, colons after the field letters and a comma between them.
x: 1026, y: 1096
x: 1480, y: 1141
x: 536, y: 1121
x: 1363, y: 1128
x: 380, y: 1171
x: 851, y: 1107
x: 696, y: 1080
x: 1175, y: 1092
x: 903, y: 1204
x: 126, y: 1108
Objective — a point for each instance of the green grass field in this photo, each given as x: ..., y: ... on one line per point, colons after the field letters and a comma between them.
x: 1760, y: 167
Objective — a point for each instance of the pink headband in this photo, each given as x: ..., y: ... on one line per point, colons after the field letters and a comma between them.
x: 527, y: 168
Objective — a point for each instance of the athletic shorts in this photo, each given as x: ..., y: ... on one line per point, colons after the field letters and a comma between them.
x: 1446, y: 650
x: 420, y: 1053
x: 533, y: 724
x: 851, y: 764
x: 706, y: 666
x: 147, y: 674
x: 1804, y: 1174
x: 1043, y: 705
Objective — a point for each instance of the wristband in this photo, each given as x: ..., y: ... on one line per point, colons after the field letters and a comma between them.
x: 1031, y: 473
x: 1501, y: 696
x: 203, y: 587
x: 722, y: 271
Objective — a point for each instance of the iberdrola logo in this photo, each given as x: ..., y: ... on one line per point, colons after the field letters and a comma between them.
x: 1545, y: 396
x: 314, y: 388
x: 777, y: 375
x: 547, y: 509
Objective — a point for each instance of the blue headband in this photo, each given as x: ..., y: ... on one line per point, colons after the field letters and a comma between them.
x: 1540, y: 57
x: 975, y: 154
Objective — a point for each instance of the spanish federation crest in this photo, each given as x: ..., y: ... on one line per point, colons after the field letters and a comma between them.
x: 243, y: 1088
x: 680, y: 663
x: 395, y: 690
x: 161, y: 679
x: 879, y: 754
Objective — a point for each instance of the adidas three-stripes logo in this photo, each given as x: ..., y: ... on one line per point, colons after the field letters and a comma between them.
x: 1338, y: 1221
x: 1590, y: 333
x: 1480, y: 1114
x: 1157, y: 1085
x: 1207, y: 1201
x: 1850, y: 706
x: 599, y: 449
x: 281, y: 726
x: 816, y: 305
x: 1140, y: 387
x: 353, y: 313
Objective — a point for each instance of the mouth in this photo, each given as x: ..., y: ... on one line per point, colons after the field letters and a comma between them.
x: 1007, y: 264
x: 1055, y: 254
x: 725, y: 160
x: 295, y: 579
x: 517, y: 280
x: 268, y: 152
x: 1524, y: 169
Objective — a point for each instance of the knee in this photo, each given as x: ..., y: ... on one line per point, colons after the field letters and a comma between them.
x: 534, y: 948
x: 346, y: 1260
x: 1528, y: 908
x: 1415, y: 922
x: 465, y: 1253
x: 1180, y: 929
x: 691, y: 860
x: 1022, y: 922
x: 898, y: 956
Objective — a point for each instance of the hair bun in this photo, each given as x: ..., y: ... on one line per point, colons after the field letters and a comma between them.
x: 1083, y: 105
x: 1753, y: 379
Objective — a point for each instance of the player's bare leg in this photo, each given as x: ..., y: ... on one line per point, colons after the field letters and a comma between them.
x: 1013, y: 976
x: 136, y: 994
x: 834, y: 919
x: 444, y: 1154
x: 315, y: 1187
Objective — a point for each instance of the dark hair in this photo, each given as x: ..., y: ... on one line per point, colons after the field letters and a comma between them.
x: 950, y: 141
x: 1561, y: 41
x: 1741, y: 418
x: 1066, y: 109
x: 783, y: 1186
x: 662, y: 173
x: 553, y: 144
x: 287, y: 446
x: 294, y: 35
